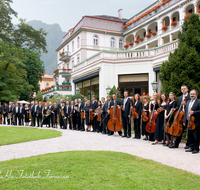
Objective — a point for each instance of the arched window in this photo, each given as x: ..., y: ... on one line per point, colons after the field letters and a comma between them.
x: 112, y: 43
x: 78, y: 42
x: 96, y: 43
x: 72, y: 46
x: 120, y: 44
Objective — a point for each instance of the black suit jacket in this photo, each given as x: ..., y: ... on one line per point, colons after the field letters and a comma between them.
x: 94, y: 105
x: 180, y: 100
x: 67, y: 111
x: 112, y: 103
x: 138, y: 108
x: 22, y: 111
x: 1, y: 109
x: 9, y: 110
x: 126, y: 112
x: 195, y: 109
x: 39, y: 110
x: 58, y: 108
x: 14, y: 110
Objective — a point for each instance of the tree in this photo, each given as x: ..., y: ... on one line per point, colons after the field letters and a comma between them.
x: 113, y: 91
x: 6, y: 14
x: 39, y: 96
x: 183, y: 66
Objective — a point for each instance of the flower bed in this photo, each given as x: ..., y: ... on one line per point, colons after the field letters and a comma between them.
x: 136, y: 41
x: 140, y: 39
x: 64, y: 69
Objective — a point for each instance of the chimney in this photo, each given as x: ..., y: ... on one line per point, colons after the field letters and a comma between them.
x: 120, y: 13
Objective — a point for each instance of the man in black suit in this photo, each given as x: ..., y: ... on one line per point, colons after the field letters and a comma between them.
x: 94, y: 106
x: 9, y: 111
x: 58, y: 113
x: 16, y: 112
x: 34, y: 113
x: 32, y: 110
x: 1, y: 111
x: 181, y: 101
x: 108, y: 105
x: 78, y: 116
x: 39, y: 113
x: 82, y: 110
x: 104, y: 109
x: 73, y: 115
x: 51, y: 116
x: 67, y: 115
x: 193, y: 109
x: 21, y: 114
x: 126, y: 115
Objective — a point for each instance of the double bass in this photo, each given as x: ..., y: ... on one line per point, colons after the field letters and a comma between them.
x: 177, y: 125
x: 151, y: 125
x: 115, y: 122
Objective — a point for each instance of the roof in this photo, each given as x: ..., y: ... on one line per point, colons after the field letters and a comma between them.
x: 46, y: 76
x: 111, y: 18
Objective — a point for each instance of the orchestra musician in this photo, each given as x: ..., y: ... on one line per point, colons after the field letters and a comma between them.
x: 159, y: 134
x: 126, y: 115
x: 26, y: 110
x: 104, y: 115
x: 1, y: 111
x: 169, y: 116
x: 45, y: 120
x: 51, y: 118
x: 62, y: 113
x: 153, y: 104
x: 21, y: 114
x: 99, y: 128
x: 108, y: 105
x: 59, y: 115
x: 73, y: 116
x: 94, y: 106
x: 13, y: 117
x: 67, y: 114
x: 5, y: 113
x: 184, y: 90
x: 34, y: 112
x: 55, y: 115
x: 137, y: 121
x: 87, y: 112
x: 39, y: 113
x: 9, y: 111
x: 82, y: 110
x: 16, y: 113
x: 192, y: 108
x: 146, y: 113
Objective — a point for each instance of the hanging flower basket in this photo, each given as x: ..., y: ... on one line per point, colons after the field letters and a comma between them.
x: 164, y: 28
x: 126, y: 46
x: 187, y: 16
x: 148, y: 35
x: 55, y: 71
x: 154, y: 33
x: 174, y: 23
x: 130, y: 44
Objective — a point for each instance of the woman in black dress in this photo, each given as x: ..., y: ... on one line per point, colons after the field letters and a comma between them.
x: 138, y: 108
x: 169, y: 117
x: 44, y: 112
x: 159, y: 132
x: 153, y: 104
x: 5, y: 113
x: 145, y: 110
x: 55, y: 112
x: 87, y: 112
x: 26, y: 115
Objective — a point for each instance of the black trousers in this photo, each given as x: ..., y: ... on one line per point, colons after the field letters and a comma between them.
x: 39, y: 119
x: 21, y: 119
x: 137, y: 127
x: 9, y: 121
x: 195, y: 134
x: 190, y: 140
x: 74, y: 121
x: 126, y: 125
x: 34, y: 118
x: 95, y: 124
x: 78, y: 122
x: 16, y: 117
x: 4, y: 118
x: 104, y: 123
x: 83, y: 124
x: 51, y: 118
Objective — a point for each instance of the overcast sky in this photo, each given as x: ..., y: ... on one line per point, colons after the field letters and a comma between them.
x: 67, y: 13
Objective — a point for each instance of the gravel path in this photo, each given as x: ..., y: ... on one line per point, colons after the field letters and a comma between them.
x: 77, y: 140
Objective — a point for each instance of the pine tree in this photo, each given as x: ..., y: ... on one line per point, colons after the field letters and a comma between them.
x: 183, y: 66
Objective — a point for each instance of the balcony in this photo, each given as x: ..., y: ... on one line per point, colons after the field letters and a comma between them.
x: 65, y: 56
x: 64, y: 72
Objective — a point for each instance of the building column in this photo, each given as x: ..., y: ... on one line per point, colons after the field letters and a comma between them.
x: 170, y: 37
x: 60, y: 80
x: 54, y: 82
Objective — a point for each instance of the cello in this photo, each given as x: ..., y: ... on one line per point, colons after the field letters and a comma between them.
x: 176, y: 127
x: 115, y: 122
x: 151, y: 125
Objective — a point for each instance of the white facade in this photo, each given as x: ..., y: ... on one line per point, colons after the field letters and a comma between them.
x: 93, y: 46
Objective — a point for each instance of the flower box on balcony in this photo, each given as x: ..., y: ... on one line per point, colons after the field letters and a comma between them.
x: 62, y: 53
x: 130, y: 44
x: 124, y: 27
x: 198, y: 11
x: 67, y: 85
x: 136, y: 41
x: 187, y: 16
x: 55, y: 71
x: 158, y: 6
x: 140, y: 39
x: 148, y: 35
x: 154, y: 33
x: 68, y: 69
x: 64, y: 69
x: 164, y: 27
x: 126, y: 46
x: 174, y: 23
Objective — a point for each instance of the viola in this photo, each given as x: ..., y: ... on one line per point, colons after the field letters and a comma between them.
x: 144, y: 116
x: 0, y: 119
x: 133, y: 111
x: 151, y: 125
x: 160, y: 109
x: 115, y: 122
x: 191, y: 123
x: 99, y: 117
x: 82, y: 115
x: 91, y: 115
x: 177, y: 125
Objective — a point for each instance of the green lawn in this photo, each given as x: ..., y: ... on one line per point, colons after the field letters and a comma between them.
x: 93, y: 170
x: 11, y: 135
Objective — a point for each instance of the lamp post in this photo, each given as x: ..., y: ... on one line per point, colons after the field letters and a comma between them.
x: 108, y: 89
x: 154, y: 86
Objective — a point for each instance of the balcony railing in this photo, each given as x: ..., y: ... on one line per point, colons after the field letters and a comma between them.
x: 151, y: 14
x: 65, y: 56
x: 129, y: 54
x: 62, y: 71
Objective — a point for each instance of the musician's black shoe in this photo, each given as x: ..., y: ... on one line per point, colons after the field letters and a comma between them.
x: 110, y: 134
x: 103, y: 133
x: 189, y: 150
x: 128, y: 136
x: 76, y: 129
x: 124, y: 136
x: 134, y: 137
x: 186, y: 147
x: 138, y: 137
x: 94, y: 131
x: 195, y: 152
x: 173, y: 146
x: 70, y: 128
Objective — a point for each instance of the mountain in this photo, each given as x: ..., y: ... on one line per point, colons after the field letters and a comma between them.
x: 53, y: 39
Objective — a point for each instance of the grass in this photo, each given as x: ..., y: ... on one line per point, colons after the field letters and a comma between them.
x: 12, y: 135
x: 93, y: 170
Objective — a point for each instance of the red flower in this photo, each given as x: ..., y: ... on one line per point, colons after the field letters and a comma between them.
x: 64, y: 69
x: 126, y: 46
x: 136, y: 41
x: 140, y: 39
x: 187, y: 16
x: 148, y: 35
x: 154, y: 33
x: 164, y: 27
x: 130, y: 44
x: 61, y: 86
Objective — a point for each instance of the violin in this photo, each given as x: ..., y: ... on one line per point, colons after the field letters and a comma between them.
x: 99, y: 117
x: 115, y: 122
x: 191, y: 123
x: 160, y: 109
x: 177, y: 125
x: 144, y: 116
x: 151, y: 125
x: 91, y: 115
x: 82, y: 115
x: 0, y: 119
x: 133, y: 111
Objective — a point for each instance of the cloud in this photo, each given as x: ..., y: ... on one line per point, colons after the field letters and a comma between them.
x: 50, y: 2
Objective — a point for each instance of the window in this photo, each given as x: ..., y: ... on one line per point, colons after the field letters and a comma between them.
x: 47, y: 84
x: 78, y: 42
x: 96, y: 43
x: 112, y: 42
x: 72, y: 46
x: 68, y: 48
x: 78, y: 59
x: 121, y: 44
x: 72, y: 62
